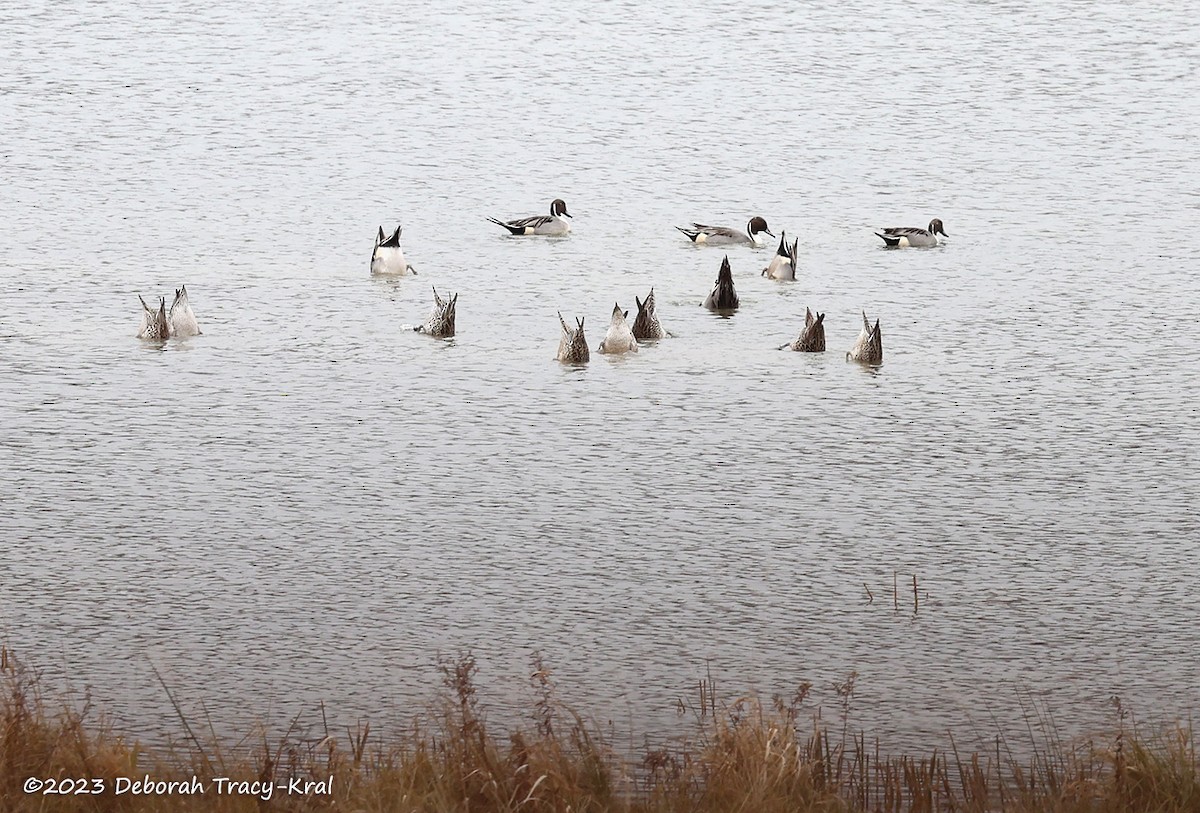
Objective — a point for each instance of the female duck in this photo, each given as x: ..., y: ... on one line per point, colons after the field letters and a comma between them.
x: 646, y: 325
x: 182, y: 319
x: 868, y: 349
x: 619, y: 338
x: 177, y: 322
x: 723, y: 298
x: 812, y: 338
x: 572, y: 345
x: 441, y: 320
x: 155, y: 326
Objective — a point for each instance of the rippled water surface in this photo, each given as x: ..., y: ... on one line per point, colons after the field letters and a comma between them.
x: 310, y: 501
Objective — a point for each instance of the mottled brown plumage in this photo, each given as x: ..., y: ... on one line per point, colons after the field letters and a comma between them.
x: 723, y: 297
x: 646, y: 325
x: 572, y: 345
x: 812, y: 338
x: 441, y: 321
x: 868, y: 349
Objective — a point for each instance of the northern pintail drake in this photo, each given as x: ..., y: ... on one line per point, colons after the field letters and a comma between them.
x: 387, y: 259
x: 646, y: 325
x: 155, y: 325
x: 783, y: 264
x: 868, y: 349
x: 619, y: 338
x: 572, y: 345
x: 723, y: 236
x: 723, y: 297
x: 550, y: 224
x: 906, y: 236
x: 441, y: 320
x: 182, y: 319
x: 812, y: 338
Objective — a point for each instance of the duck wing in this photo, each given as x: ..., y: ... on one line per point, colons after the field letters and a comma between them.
x: 527, y: 222
x: 714, y: 231
x: 903, y: 231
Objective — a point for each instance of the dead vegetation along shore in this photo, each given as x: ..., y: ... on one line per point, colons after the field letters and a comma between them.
x: 745, y: 755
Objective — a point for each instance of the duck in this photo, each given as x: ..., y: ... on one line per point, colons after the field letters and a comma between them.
x: 906, y: 236
x: 783, y: 264
x: 387, y: 259
x: 724, y: 236
x: 180, y: 316
x: 646, y: 325
x: 812, y: 338
x: 155, y: 325
x: 552, y: 224
x: 868, y: 348
x: 723, y: 297
x: 619, y: 338
x: 572, y: 345
x: 441, y: 320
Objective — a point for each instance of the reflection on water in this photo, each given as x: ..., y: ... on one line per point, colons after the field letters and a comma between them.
x: 312, y: 501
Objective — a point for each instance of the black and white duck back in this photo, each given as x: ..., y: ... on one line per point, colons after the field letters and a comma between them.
x: 387, y: 258
x: 783, y: 264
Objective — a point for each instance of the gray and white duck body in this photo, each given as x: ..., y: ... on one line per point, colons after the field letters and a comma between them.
x: 550, y: 225
x: 912, y: 236
x: 701, y: 234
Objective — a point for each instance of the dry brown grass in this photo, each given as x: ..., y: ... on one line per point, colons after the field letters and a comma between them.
x: 742, y: 756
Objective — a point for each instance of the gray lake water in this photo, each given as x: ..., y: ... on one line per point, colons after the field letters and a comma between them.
x: 311, y: 502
